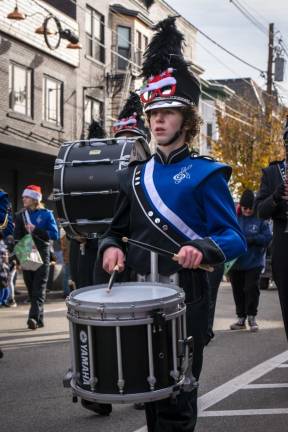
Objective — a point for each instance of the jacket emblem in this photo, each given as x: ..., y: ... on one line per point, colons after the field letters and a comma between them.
x: 183, y: 174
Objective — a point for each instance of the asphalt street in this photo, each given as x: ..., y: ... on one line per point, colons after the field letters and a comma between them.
x: 244, y: 382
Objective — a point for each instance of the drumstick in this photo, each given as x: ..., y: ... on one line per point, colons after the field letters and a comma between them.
x: 112, y: 277
x: 160, y: 251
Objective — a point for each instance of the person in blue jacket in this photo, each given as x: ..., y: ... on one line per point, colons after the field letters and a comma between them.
x: 6, y: 229
x: 245, y: 273
x: 39, y: 222
x: 6, y: 222
x: 176, y: 200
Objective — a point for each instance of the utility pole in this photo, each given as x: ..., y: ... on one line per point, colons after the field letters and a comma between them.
x: 270, y: 59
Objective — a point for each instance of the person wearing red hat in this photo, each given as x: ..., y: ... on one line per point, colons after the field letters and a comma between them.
x: 39, y: 222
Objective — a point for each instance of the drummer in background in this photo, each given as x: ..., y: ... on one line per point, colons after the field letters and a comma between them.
x: 84, y: 251
x: 177, y: 200
x: 130, y: 124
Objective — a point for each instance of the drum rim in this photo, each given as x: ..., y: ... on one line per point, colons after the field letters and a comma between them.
x: 148, y: 396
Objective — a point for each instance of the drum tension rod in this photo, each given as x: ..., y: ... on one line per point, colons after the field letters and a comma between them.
x: 159, y: 319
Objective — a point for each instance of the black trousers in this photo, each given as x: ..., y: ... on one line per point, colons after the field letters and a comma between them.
x: 214, y: 279
x: 280, y: 267
x: 180, y: 415
x: 246, y: 292
x: 36, y: 283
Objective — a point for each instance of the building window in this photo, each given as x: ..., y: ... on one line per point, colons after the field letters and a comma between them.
x: 53, y: 101
x: 123, y: 46
x: 138, y: 59
x: 145, y: 38
x: 93, y: 110
x: 20, y: 89
x: 95, y: 40
x: 209, y: 133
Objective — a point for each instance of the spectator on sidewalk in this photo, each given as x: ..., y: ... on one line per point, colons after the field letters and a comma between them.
x: 41, y: 224
x: 245, y: 273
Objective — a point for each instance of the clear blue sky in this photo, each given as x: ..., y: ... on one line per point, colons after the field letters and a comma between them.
x: 223, y: 22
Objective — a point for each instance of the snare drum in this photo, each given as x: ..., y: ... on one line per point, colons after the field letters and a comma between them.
x: 127, y: 345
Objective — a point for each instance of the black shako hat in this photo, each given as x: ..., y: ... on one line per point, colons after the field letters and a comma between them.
x: 130, y: 118
x: 95, y: 130
x: 247, y: 199
x: 169, y: 82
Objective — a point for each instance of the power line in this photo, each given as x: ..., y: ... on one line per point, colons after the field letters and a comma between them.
x: 243, y: 101
x: 249, y: 16
x: 229, y: 52
x: 226, y: 105
x: 256, y: 13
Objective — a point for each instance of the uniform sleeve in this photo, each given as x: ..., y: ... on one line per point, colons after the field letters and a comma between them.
x: 52, y: 230
x: 224, y: 239
x: 265, y: 206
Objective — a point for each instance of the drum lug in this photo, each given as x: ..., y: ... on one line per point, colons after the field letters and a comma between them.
x: 159, y: 319
x: 190, y: 382
x: 67, y: 378
x: 93, y: 382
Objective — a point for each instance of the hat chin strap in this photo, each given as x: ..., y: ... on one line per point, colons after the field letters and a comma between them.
x: 173, y: 139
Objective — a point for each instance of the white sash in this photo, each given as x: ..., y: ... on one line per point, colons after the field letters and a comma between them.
x: 161, y: 207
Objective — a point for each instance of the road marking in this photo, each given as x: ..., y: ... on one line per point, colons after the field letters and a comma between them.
x: 241, y: 382
x: 264, y: 386
x: 33, y: 339
x: 214, y: 396
x: 284, y: 365
x: 32, y: 344
x: 24, y: 313
x: 229, y: 413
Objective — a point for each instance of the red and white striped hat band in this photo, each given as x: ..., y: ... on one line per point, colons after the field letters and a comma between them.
x: 32, y: 193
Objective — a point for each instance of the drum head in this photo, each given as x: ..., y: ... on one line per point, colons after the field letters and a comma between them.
x: 126, y: 294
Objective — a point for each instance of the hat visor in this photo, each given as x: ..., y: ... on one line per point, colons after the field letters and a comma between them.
x: 164, y: 104
x: 135, y: 132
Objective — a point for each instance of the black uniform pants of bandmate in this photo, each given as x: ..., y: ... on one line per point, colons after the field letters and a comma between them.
x: 214, y: 279
x: 36, y: 283
x: 246, y: 292
x: 280, y: 267
x: 180, y: 414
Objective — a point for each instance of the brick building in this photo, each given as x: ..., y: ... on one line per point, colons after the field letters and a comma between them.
x: 51, y: 95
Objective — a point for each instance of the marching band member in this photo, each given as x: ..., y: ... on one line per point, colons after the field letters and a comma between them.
x: 6, y: 223
x: 271, y: 203
x: 177, y: 200
x: 130, y: 124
